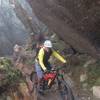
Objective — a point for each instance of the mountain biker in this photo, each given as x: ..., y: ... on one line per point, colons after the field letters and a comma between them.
x: 42, y: 60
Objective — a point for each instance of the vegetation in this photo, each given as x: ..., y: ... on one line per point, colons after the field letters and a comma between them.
x: 94, y: 74
x: 8, y: 75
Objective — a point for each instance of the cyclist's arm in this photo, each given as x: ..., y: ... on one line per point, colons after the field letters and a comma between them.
x: 40, y: 58
x: 58, y: 56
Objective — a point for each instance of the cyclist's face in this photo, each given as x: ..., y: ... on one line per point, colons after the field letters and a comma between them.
x: 47, y: 49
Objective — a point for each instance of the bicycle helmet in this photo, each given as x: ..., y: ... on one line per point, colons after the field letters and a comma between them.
x: 48, y: 44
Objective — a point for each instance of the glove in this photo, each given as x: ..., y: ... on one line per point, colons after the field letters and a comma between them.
x: 46, y: 71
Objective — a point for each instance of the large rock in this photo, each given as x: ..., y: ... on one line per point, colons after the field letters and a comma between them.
x: 75, y: 21
x: 96, y: 92
x: 83, y: 77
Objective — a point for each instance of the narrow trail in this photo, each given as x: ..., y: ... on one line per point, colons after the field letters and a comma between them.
x: 50, y: 96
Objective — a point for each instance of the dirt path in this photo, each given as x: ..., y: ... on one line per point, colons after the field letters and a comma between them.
x: 50, y: 96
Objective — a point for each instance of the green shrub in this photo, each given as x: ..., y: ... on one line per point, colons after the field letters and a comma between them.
x: 94, y: 74
x: 9, y: 73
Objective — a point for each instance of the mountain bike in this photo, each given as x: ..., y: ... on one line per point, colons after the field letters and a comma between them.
x: 55, y: 76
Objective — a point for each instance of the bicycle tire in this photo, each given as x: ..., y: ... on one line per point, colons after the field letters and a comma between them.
x: 34, y: 90
x: 65, y: 91
x: 33, y: 76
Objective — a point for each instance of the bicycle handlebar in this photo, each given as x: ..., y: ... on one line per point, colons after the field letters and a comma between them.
x: 55, y: 69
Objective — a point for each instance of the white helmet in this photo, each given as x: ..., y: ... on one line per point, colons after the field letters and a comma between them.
x: 48, y: 44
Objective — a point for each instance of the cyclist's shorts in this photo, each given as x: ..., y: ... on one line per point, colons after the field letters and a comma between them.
x: 38, y: 70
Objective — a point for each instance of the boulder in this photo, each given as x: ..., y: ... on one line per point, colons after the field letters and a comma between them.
x: 83, y: 77
x: 96, y: 91
x: 75, y: 21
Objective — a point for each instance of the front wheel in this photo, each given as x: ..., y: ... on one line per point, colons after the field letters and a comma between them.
x: 65, y: 91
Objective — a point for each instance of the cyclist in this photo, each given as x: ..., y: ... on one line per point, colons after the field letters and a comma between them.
x: 42, y: 64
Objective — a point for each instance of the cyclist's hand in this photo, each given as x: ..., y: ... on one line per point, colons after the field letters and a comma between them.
x: 46, y: 71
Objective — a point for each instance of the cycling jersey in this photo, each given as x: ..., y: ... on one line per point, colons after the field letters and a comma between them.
x: 43, y: 57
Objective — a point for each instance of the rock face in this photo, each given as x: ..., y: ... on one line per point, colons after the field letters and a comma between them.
x: 12, y: 31
x: 75, y: 21
x: 28, y: 18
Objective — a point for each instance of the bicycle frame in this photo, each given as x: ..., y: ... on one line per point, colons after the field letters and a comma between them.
x: 52, y: 75
x: 63, y: 88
